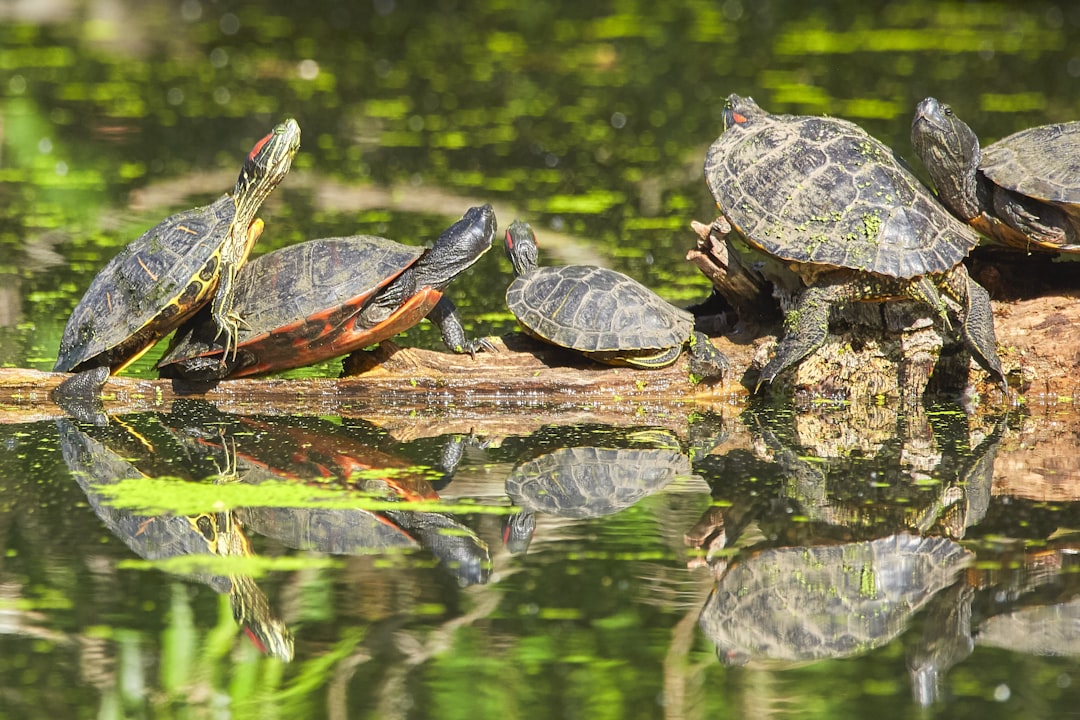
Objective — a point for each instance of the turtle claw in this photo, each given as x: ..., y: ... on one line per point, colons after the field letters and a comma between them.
x: 474, y: 346
x: 482, y: 344
x: 229, y: 325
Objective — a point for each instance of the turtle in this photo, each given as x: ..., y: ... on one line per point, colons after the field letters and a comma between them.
x: 320, y: 299
x: 106, y: 456
x: 172, y: 270
x: 1022, y: 191
x: 601, y: 313
x: 792, y: 605
x: 828, y: 212
x: 587, y: 482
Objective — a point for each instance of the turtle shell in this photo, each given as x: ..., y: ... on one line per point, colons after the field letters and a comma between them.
x: 300, y: 304
x: 798, y: 604
x: 587, y: 482
x: 596, y: 310
x: 822, y: 191
x: 1040, y: 162
x: 148, y: 289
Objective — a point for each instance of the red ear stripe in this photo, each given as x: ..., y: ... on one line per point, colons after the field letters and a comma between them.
x: 259, y: 146
x: 734, y: 116
x: 509, y: 240
x: 255, y: 640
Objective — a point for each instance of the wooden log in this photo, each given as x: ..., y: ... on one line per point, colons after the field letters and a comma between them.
x: 394, y: 381
x: 1039, y: 341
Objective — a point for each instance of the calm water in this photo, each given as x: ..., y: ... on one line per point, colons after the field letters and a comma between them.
x: 833, y: 563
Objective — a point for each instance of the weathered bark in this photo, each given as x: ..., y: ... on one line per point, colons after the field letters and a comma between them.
x: 748, y: 293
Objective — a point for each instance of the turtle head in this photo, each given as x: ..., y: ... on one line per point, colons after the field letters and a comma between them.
x: 949, y: 149
x: 520, y: 244
x: 740, y: 110
x: 460, y: 245
x: 252, y: 612
x: 265, y: 167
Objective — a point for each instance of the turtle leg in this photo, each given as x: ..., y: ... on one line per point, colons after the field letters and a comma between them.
x: 976, y: 319
x: 806, y: 328
x: 80, y: 395
x: 706, y: 362
x: 518, y: 532
x: 228, y: 322
x: 445, y: 315
x: 233, y: 255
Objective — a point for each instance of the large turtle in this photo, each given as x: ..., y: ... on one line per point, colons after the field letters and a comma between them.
x: 826, y: 210
x: 173, y: 269
x: 317, y: 300
x: 601, y: 313
x: 1022, y: 191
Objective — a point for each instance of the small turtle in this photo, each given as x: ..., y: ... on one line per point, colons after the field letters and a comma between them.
x: 827, y: 210
x: 601, y: 313
x: 1022, y: 191
x: 176, y: 267
x: 320, y: 299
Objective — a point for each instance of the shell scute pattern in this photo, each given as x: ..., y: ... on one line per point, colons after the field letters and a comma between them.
x: 145, y: 280
x: 308, y: 278
x: 1039, y: 162
x: 593, y: 309
x: 822, y: 191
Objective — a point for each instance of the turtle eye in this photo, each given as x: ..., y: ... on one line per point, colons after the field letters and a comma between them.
x: 947, y: 109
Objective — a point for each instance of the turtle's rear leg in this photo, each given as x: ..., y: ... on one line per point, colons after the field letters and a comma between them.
x: 80, y: 395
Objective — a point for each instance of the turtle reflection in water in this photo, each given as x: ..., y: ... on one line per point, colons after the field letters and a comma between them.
x: 911, y: 449
x: 1021, y: 600
x: 269, y: 449
x: 155, y: 537
x: 589, y: 482
x: 801, y: 604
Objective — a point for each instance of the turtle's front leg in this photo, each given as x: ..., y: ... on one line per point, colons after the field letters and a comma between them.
x: 976, y: 320
x: 445, y: 315
x: 806, y: 328
x: 234, y: 253
x: 227, y: 320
